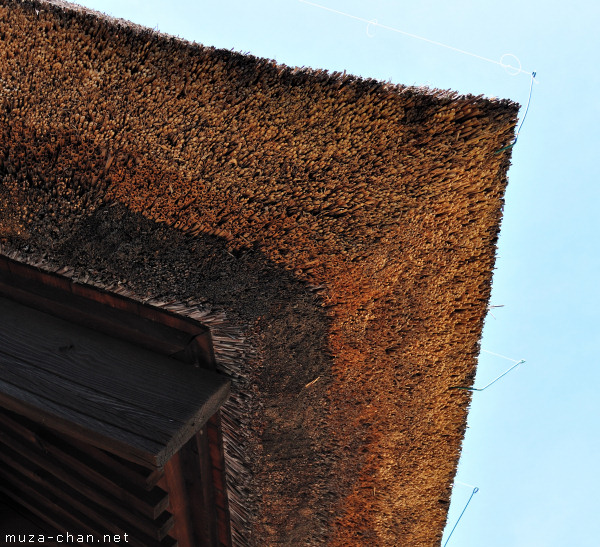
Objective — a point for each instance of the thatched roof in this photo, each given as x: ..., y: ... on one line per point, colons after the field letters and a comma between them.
x: 337, y: 235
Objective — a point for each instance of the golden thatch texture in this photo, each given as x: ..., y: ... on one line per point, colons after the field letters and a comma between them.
x: 384, y: 200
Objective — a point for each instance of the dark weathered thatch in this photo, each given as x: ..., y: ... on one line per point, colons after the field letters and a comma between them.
x: 337, y: 235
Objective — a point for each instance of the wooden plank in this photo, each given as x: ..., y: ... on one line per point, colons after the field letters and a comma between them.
x: 188, y: 478
x: 217, y: 468
x: 54, y: 505
x: 200, y: 351
x: 197, y: 466
x: 111, y: 439
x: 106, y: 474
x: 175, y: 483
x: 62, y: 346
x: 109, y: 516
x: 70, y: 392
x: 122, y: 324
x: 155, y: 328
x: 62, y: 524
x: 38, y: 509
x: 43, y: 504
x: 54, y: 286
x: 224, y: 527
x: 130, y: 472
x: 14, y: 518
x: 151, y: 504
x: 17, y: 271
x: 105, y: 387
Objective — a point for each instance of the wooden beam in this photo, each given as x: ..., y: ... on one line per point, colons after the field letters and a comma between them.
x: 76, y: 450
x: 15, y: 518
x: 109, y: 515
x: 39, y: 510
x: 65, y: 460
x: 54, y: 505
x: 107, y: 392
x: 151, y: 506
x: 174, y: 482
x: 218, y: 479
x: 113, y: 314
x: 96, y: 458
x: 201, y: 496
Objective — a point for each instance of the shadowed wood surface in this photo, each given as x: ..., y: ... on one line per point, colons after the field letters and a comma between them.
x: 107, y: 392
x: 15, y: 519
x: 108, y: 313
x: 48, y: 475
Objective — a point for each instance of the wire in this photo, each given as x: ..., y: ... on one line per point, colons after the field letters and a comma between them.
x: 475, y: 490
x: 373, y: 22
x: 517, y: 363
x: 533, y: 74
x: 463, y: 484
x: 498, y: 355
x: 526, y: 109
x: 492, y: 382
x: 512, y: 70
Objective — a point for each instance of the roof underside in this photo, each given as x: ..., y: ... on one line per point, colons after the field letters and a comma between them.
x: 83, y: 376
x: 337, y: 234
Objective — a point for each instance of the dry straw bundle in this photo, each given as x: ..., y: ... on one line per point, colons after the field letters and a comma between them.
x: 337, y: 234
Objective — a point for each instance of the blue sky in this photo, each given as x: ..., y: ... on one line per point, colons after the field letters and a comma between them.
x: 533, y: 442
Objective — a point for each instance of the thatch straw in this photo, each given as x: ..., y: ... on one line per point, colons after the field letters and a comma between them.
x: 323, y: 226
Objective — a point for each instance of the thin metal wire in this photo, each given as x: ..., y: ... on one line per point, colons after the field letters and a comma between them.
x: 498, y: 355
x: 527, y: 108
x: 533, y: 74
x: 464, y: 484
x: 492, y: 382
x: 373, y: 22
x: 475, y: 490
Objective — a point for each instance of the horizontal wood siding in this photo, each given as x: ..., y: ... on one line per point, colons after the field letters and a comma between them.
x: 59, y: 470
x: 109, y: 313
x: 133, y: 402
x: 48, y: 475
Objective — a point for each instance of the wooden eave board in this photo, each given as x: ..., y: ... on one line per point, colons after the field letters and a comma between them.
x: 107, y: 312
x: 112, y: 394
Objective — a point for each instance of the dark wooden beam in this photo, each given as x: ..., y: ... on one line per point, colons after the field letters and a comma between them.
x: 196, y: 465
x: 174, y: 482
x: 67, y: 463
x: 216, y: 458
x: 53, y: 379
x: 132, y: 402
x: 109, y: 515
x: 95, y: 458
x: 56, y: 510
x: 153, y: 328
